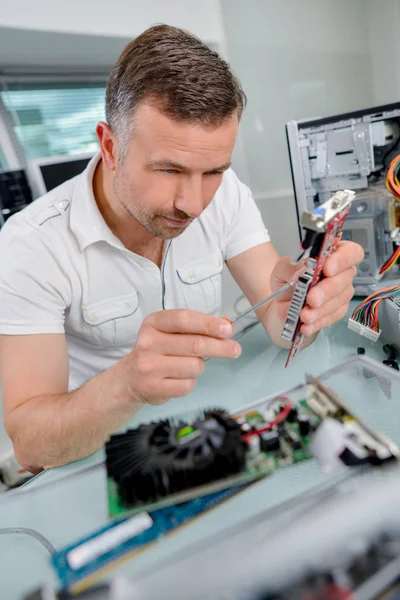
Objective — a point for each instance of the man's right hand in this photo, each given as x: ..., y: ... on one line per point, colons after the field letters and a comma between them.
x: 50, y: 426
x: 169, y: 351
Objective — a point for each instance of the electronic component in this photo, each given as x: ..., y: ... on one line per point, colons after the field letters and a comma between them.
x: 254, y: 445
x: 81, y: 564
x: 164, y: 458
x: 293, y: 415
x: 245, y: 427
x: 291, y: 438
x: 365, y: 317
x: 298, y: 300
x: 270, y: 441
x: 169, y: 462
x: 323, y: 229
x: 364, y: 330
x: 341, y: 438
x: 304, y: 425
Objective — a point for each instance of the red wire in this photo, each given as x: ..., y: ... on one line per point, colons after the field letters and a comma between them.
x: 278, y: 419
x: 390, y: 262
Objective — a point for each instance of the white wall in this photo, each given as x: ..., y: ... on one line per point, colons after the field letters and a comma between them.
x: 125, y: 18
x: 384, y: 44
x: 295, y: 60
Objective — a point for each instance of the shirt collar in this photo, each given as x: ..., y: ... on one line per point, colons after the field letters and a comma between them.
x: 86, y: 220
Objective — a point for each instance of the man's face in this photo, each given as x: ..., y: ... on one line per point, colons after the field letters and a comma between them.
x: 171, y: 171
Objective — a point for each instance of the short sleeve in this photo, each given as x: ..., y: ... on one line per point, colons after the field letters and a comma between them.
x: 246, y: 228
x: 33, y: 289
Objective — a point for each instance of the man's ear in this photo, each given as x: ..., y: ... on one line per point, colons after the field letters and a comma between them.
x: 108, y: 145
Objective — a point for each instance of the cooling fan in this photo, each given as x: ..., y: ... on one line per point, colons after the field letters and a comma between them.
x: 163, y: 458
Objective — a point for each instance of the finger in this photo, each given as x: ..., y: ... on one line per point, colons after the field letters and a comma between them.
x: 311, y: 315
x: 178, y: 344
x: 326, y: 321
x: 347, y: 255
x: 182, y: 367
x: 330, y: 287
x: 189, y: 321
x: 284, y: 272
x: 165, y: 389
x: 282, y: 310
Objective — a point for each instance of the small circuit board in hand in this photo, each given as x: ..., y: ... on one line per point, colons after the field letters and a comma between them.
x: 323, y: 230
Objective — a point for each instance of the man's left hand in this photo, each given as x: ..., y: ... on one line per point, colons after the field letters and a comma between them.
x: 327, y: 302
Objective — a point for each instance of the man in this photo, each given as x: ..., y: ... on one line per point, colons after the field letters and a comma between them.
x: 110, y: 284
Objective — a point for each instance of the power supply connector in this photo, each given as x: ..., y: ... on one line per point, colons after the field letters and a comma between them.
x: 363, y: 330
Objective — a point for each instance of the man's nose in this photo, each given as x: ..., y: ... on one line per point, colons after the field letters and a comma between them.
x: 190, y: 198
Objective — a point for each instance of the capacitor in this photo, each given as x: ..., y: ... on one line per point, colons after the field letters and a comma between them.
x: 246, y: 427
x: 291, y: 438
x: 304, y: 424
x: 270, y: 441
x: 292, y: 416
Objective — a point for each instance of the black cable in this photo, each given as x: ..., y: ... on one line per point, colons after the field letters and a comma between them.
x: 27, y: 531
x: 392, y: 148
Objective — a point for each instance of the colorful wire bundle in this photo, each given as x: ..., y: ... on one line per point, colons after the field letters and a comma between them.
x: 392, y: 180
x: 393, y: 185
x: 367, y: 312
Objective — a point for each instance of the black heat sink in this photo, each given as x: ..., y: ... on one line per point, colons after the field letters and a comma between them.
x: 153, y: 461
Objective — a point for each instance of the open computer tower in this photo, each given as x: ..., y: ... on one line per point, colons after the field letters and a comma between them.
x: 353, y: 151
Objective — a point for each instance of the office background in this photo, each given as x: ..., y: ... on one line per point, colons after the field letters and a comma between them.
x: 296, y: 59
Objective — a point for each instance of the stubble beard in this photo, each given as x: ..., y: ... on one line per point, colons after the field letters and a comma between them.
x: 149, y: 221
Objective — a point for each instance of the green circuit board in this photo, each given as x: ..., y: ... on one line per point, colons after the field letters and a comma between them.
x: 293, y: 448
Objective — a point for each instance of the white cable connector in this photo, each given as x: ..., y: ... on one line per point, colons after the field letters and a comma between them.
x: 364, y: 330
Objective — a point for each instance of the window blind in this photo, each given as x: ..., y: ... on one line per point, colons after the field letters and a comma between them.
x: 54, y: 118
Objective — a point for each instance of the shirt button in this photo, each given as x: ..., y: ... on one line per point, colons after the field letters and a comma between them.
x: 63, y: 204
x: 94, y: 318
x: 192, y: 276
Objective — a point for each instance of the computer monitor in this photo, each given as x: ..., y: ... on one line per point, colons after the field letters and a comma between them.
x: 47, y: 173
x: 15, y: 193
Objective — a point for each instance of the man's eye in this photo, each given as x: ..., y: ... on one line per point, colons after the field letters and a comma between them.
x: 170, y: 171
x: 214, y: 173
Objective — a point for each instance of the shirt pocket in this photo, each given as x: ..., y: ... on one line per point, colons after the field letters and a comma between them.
x: 112, y: 322
x: 200, y: 282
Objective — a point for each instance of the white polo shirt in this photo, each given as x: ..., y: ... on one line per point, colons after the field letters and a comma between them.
x: 62, y: 270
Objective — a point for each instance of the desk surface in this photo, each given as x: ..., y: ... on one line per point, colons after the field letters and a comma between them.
x: 67, y: 503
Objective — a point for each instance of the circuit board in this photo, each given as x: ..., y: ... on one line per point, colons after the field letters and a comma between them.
x: 267, y: 448
x: 85, y: 562
x: 324, y: 245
